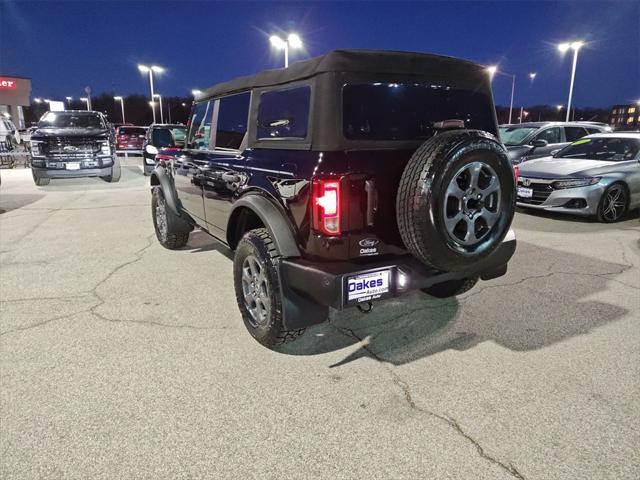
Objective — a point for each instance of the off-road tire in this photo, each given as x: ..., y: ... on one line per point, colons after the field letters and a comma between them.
x: 260, y: 245
x: 177, y: 232
x: 40, y: 181
x: 116, y: 172
x: 451, y: 288
x: 602, y: 204
x: 422, y: 196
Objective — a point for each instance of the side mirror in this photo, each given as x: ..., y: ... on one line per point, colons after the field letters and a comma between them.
x: 539, y: 143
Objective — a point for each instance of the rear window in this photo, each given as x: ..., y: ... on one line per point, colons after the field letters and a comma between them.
x: 396, y: 111
x: 284, y: 113
x: 131, y: 131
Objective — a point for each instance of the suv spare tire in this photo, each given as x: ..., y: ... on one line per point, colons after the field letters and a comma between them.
x: 456, y: 199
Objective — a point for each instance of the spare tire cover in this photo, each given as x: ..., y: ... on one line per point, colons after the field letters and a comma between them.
x: 456, y: 199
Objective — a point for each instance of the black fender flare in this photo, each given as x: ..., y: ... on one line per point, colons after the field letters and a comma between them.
x: 273, y: 219
x: 160, y: 178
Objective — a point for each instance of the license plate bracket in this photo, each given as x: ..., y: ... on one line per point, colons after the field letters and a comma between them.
x: 524, y: 192
x: 73, y: 166
x: 367, y: 286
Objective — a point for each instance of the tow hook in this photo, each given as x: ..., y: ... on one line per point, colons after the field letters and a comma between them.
x: 365, y: 309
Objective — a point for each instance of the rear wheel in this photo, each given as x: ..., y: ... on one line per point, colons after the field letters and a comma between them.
x: 39, y: 181
x: 451, y: 288
x: 456, y: 199
x: 258, y: 289
x: 613, y: 203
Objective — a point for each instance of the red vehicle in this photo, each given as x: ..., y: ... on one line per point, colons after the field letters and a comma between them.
x: 129, y: 139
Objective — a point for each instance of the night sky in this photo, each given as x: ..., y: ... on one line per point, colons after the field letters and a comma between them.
x: 64, y: 46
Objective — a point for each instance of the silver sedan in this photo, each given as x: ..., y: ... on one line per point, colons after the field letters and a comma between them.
x: 597, y: 175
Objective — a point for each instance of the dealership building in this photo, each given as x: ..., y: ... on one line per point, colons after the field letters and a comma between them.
x: 15, y: 93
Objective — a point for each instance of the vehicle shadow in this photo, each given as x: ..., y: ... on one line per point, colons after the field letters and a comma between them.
x: 13, y: 201
x: 525, y: 310
x: 200, y: 241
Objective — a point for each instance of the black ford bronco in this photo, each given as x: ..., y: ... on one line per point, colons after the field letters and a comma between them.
x: 341, y: 180
x: 73, y: 143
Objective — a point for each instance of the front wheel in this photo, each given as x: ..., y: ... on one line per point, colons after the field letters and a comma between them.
x: 258, y: 289
x: 613, y: 203
x: 171, y: 230
x: 115, y: 172
x: 40, y: 181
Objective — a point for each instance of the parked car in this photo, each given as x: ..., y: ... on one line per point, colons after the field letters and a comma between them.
x: 130, y: 139
x: 161, y: 136
x: 526, y: 141
x: 598, y: 175
x: 73, y: 143
x: 9, y: 132
x: 342, y: 180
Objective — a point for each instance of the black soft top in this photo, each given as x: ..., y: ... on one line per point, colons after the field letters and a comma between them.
x: 365, y: 61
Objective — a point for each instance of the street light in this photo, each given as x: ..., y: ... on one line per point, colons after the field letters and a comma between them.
x: 151, y: 70
x: 119, y: 98
x: 492, y: 71
x: 85, y: 100
x: 37, y: 100
x: 532, y: 76
x: 564, y: 47
x: 159, y: 97
x: 69, y: 101
x: 292, y: 41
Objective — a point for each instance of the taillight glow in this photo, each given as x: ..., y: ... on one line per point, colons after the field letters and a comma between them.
x: 326, y: 206
x: 516, y: 171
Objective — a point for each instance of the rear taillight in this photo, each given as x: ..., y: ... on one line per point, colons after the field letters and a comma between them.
x: 516, y: 171
x: 326, y: 206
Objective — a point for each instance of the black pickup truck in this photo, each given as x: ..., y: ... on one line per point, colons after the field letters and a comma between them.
x: 343, y: 180
x: 73, y: 143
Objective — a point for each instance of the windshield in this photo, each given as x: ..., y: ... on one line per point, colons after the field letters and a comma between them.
x: 70, y: 120
x: 610, y: 149
x: 513, y: 136
x: 396, y: 111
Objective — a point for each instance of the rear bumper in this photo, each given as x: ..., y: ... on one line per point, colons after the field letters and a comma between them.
x: 310, y: 288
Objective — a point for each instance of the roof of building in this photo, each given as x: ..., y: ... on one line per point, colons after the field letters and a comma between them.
x: 368, y: 61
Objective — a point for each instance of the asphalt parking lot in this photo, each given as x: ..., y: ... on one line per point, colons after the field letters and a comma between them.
x: 120, y: 359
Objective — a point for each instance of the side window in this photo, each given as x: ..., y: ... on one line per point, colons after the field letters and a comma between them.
x: 593, y: 130
x: 551, y: 135
x: 574, y: 133
x: 233, y: 116
x: 200, y: 132
x: 284, y: 113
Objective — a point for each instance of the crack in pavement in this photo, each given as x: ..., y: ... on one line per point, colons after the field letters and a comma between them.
x: 100, y: 301
x: 404, y: 386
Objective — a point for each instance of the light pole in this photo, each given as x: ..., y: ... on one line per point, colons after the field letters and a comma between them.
x: 292, y: 41
x: 575, y: 46
x: 492, y: 71
x: 69, y: 101
x: 85, y: 100
x: 532, y: 76
x: 151, y: 70
x: 119, y: 98
x: 159, y: 97
x: 559, y: 107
